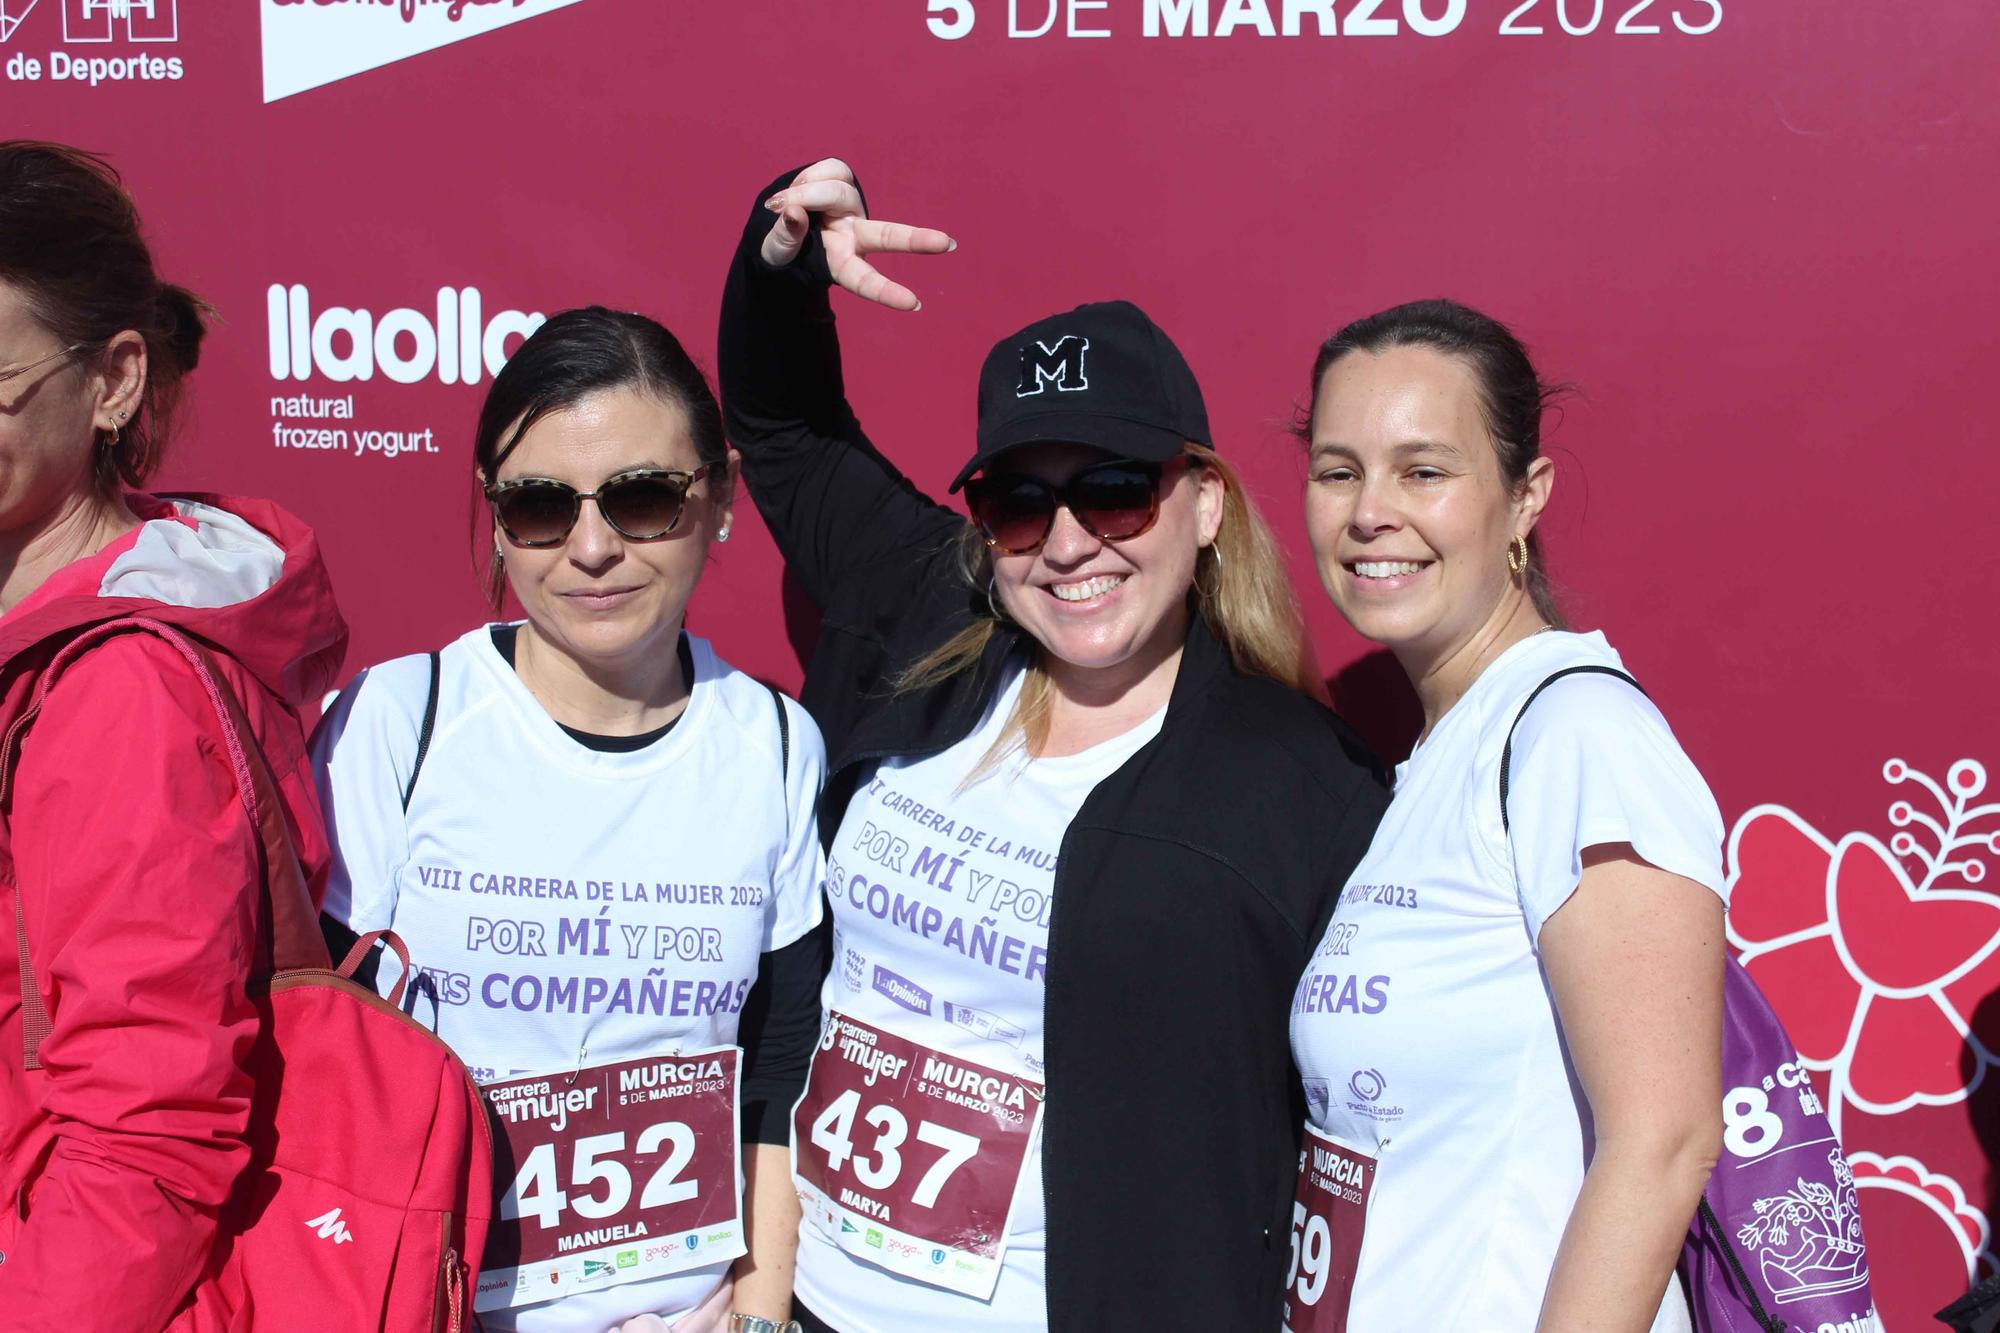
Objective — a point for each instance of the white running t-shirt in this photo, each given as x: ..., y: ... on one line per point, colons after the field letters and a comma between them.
x: 983, y: 857
x: 1424, y: 1028
x: 698, y: 850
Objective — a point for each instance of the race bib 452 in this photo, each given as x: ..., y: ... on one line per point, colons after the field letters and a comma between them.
x: 610, y: 1174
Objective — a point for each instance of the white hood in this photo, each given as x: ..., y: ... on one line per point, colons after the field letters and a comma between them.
x: 221, y: 561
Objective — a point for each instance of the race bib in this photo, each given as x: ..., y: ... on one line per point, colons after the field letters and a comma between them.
x: 909, y: 1158
x: 1329, y: 1213
x: 612, y: 1174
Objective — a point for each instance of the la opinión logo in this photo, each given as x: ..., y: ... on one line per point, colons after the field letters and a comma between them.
x: 311, y: 43
x: 454, y: 10
x: 407, y: 345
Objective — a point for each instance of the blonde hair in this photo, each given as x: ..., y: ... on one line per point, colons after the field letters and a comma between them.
x: 1241, y: 591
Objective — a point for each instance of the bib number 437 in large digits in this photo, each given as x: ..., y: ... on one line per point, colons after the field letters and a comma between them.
x: 909, y: 1158
x: 832, y: 1133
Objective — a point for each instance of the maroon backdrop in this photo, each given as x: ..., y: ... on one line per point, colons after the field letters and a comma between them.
x: 1760, y: 250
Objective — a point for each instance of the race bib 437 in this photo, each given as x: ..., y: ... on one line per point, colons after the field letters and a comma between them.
x: 909, y: 1158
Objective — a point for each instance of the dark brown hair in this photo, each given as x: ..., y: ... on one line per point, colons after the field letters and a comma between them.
x: 70, y: 240
x: 578, y: 353
x: 1512, y: 396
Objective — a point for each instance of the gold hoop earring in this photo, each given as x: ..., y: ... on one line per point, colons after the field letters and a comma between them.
x: 1215, y: 571
x: 1517, y: 555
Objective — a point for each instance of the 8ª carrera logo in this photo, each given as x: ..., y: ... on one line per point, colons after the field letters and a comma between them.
x: 311, y: 43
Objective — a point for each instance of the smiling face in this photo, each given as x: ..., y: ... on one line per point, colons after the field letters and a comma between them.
x: 1408, y: 513
x: 596, y: 596
x: 1098, y: 605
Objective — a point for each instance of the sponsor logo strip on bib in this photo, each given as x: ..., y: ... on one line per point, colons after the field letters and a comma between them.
x: 610, y: 1174
x: 909, y: 1158
x: 1329, y: 1213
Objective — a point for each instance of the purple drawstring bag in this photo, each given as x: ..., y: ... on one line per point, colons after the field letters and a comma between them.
x: 1775, y: 1246
x: 1776, y: 1243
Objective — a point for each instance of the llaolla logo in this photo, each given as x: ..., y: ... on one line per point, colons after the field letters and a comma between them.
x: 311, y: 43
x: 454, y: 339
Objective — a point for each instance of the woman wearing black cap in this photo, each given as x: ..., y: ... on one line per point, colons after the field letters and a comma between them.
x: 1083, y: 823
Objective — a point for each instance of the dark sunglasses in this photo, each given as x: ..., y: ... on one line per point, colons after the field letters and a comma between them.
x: 1114, y: 501
x: 640, y: 505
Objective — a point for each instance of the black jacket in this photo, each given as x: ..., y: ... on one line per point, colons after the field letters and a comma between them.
x: 1190, y: 889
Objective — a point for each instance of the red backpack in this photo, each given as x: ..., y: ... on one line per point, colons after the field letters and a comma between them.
x: 368, y: 1192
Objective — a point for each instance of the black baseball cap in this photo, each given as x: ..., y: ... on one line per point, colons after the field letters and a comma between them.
x: 1102, y: 374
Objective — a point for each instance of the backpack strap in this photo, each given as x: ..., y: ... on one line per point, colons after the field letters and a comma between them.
x: 1507, y: 751
x: 295, y: 938
x: 784, y: 734
x: 424, y: 732
x: 360, y: 964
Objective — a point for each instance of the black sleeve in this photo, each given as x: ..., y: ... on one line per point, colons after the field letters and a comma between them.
x: 837, y: 508
x: 339, y: 939
x: 778, y: 1030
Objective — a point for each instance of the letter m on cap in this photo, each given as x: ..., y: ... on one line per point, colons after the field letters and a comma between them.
x: 1059, y: 363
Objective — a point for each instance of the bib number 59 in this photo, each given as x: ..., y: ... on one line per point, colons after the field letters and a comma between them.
x: 1312, y: 1248
x: 536, y: 1194
x: 833, y: 1134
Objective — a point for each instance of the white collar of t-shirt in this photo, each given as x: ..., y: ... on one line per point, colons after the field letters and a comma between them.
x: 565, y: 751
x: 1088, y: 766
x: 1500, y: 677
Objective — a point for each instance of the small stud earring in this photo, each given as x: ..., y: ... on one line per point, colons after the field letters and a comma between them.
x: 723, y: 535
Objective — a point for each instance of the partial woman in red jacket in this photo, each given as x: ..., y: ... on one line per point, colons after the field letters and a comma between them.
x: 123, y: 841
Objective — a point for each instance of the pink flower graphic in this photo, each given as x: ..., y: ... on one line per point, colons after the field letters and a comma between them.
x: 1876, y: 957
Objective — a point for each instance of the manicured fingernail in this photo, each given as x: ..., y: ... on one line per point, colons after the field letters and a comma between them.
x: 915, y: 308
x: 776, y: 203
x: 951, y: 247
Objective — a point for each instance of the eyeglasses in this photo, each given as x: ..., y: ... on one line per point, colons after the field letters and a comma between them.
x: 640, y: 505
x: 19, y: 371
x: 1114, y: 501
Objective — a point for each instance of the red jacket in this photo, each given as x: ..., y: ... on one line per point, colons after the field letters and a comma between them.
x: 138, y: 876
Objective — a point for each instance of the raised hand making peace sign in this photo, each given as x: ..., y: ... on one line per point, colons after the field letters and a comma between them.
x: 824, y: 196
